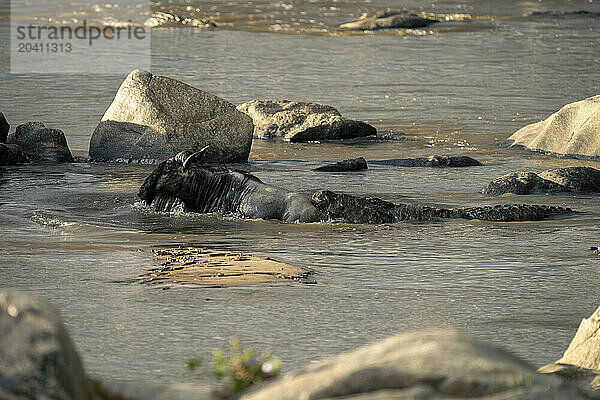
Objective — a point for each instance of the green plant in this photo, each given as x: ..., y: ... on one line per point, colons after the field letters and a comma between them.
x: 194, y: 364
x: 241, y: 367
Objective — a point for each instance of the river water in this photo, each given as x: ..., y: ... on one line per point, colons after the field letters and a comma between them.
x: 74, y: 233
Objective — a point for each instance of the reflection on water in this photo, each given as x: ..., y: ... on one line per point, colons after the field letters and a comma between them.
x: 74, y: 233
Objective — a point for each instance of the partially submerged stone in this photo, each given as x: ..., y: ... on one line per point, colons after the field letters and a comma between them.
x: 421, y: 365
x: 11, y: 154
x: 37, y: 357
x: 164, y: 19
x: 349, y: 165
x: 302, y: 121
x: 431, y: 161
x: 153, y: 118
x: 569, y: 179
x: 584, y: 350
x: 581, y: 360
x: 220, y: 268
x: 522, y: 183
x: 389, y: 19
x: 575, y: 179
x: 4, y: 128
x: 572, y: 131
x: 562, y: 14
x: 572, y: 373
x: 41, y: 143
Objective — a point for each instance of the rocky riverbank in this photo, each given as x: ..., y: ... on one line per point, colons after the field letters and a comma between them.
x: 39, y: 360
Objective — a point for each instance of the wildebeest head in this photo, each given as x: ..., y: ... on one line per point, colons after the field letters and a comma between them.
x: 201, y: 188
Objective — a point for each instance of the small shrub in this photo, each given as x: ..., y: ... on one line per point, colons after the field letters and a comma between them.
x: 242, y: 367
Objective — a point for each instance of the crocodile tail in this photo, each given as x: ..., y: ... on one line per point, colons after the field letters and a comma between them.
x: 514, y: 212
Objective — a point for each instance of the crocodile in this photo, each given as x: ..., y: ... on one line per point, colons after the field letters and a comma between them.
x: 371, y: 210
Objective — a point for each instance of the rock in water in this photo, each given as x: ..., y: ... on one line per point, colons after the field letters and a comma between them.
x: 153, y: 118
x: 421, y: 365
x: 575, y: 179
x: 432, y: 161
x: 522, y: 183
x: 570, y: 179
x: 4, y: 128
x: 41, y: 143
x: 301, y: 121
x: 37, y: 358
x: 572, y: 131
x: 581, y: 361
x: 584, y: 350
x: 164, y: 19
x: 349, y: 165
x: 11, y: 154
x: 389, y: 19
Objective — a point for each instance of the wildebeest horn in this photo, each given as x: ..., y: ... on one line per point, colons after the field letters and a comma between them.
x: 194, y: 157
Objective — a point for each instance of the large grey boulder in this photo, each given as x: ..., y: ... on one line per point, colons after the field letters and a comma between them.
x: 422, y: 365
x: 41, y: 143
x: 569, y: 179
x: 153, y: 118
x: 301, y: 121
x: 572, y: 131
x: 37, y: 358
x: 11, y: 154
x: 389, y: 19
x: 4, y: 128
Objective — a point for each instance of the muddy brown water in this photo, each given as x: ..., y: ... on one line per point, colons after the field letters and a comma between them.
x: 76, y: 235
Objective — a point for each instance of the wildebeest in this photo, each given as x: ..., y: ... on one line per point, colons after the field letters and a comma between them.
x: 181, y: 180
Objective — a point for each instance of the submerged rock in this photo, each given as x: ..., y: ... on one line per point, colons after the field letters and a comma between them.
x: 37, y: 358
x: 371, y: 210
x: 301, y: 121
x: 572, y: 131
x: 389, y: 19
x: 41, y: 143
x: 562, y: 14
x: 569, y: 179
x: 349, y: 165
x: 431, y: 161
x: 153, y: 117
x: 4, y: 128
x: 195, y: 266
x: 420, y: 365
x: 11, y: 154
